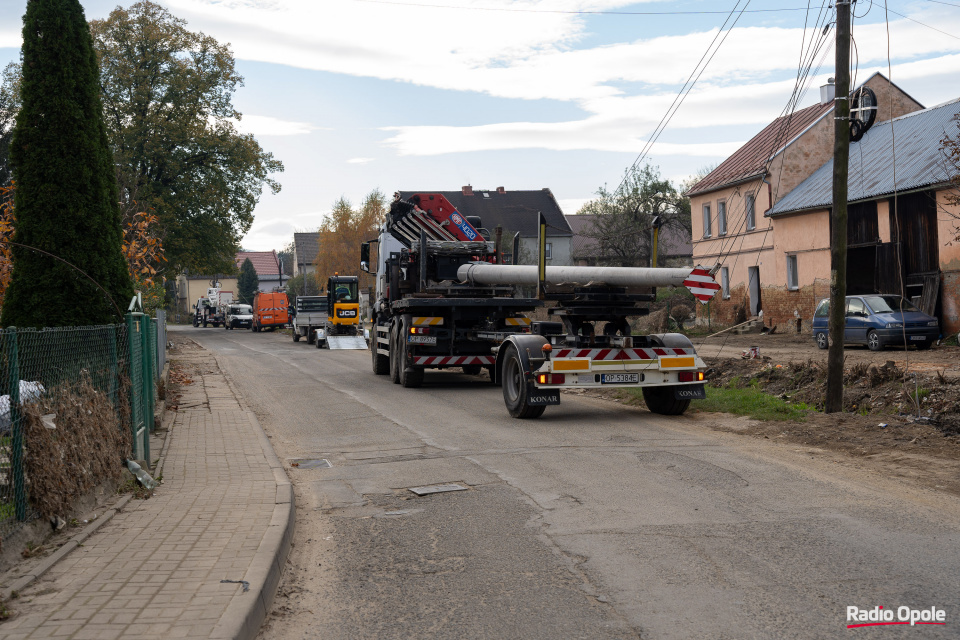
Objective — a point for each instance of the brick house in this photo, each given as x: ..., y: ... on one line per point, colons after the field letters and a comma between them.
x: 900, y: 226
x: 730, y: 206
x: 516, y: 212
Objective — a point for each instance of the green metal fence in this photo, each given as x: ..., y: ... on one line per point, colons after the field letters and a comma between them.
x: 62, y: 387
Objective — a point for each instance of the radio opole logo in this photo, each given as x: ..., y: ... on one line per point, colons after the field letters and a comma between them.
x: 878, y: 616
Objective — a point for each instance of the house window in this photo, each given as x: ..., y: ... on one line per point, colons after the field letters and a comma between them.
x: 548, y: 250
x: 792, y: 281
x: 725, y: 282
x: 751, y: 212
x: 706, y: 221
x: 721, y: 217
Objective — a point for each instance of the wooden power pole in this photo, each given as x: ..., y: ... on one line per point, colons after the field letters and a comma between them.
x: 838, y: 239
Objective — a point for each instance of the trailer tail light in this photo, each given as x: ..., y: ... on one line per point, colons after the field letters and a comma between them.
x: 690, y: 376
x: 551, y: 378
x: 419, y: 331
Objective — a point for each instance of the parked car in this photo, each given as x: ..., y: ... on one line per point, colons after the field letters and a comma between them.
x: 239, y: 315
x: 878, y: 320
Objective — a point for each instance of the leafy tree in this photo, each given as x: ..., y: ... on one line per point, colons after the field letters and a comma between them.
x: 66, y: 196
x: 9, y: 103
x: 950, y: 148
x: 285, y: 257
x: 624, y: 217
x: 167, y: 98
x: 342, y: 232
x: 247, y: 282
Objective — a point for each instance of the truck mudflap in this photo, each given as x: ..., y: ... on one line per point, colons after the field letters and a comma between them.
x: 690, y: 392
x: 542, y: 397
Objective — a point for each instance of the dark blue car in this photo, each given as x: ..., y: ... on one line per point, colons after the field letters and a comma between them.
x: 878, y: 320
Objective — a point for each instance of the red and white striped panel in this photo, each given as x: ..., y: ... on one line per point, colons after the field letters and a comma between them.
x: 452, y: 361
x: 620, y: 354
x: 701, y: 284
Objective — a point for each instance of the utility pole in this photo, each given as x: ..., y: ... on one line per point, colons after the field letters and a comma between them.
x: 838, y: 240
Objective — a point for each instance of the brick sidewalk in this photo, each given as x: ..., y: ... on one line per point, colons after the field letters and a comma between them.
x: 223, y: 512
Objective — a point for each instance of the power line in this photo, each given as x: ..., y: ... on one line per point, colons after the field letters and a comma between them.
x: 921, y: 23
x: 571, y: 12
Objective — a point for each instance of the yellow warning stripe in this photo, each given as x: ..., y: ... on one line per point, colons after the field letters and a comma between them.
x: 582, y: 364
x: 517, y: 322
x: 676, y: 363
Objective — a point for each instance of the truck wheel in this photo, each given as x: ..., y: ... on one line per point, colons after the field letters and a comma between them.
x: 381, y: 363
x: 296, y: 336
x: 394, y: 356
x: 471, y: 369
x: 660, y: 400
x: 515, y: 388
x: 411, y: 377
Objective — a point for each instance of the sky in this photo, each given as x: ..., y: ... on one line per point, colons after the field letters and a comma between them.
x: 432, y: 95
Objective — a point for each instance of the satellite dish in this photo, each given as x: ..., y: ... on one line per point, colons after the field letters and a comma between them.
x: 863, y: 112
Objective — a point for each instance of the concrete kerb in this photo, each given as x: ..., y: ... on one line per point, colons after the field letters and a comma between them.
x: 243, y: 617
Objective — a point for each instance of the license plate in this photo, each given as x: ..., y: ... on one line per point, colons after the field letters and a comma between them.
x: 421, y: 339
x: 619, y: 378
x: 918, y: 337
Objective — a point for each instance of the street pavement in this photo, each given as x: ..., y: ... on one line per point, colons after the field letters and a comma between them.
x: 201, y: 558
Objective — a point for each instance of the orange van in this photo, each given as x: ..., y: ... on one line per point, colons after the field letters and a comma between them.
x: 269, y: 310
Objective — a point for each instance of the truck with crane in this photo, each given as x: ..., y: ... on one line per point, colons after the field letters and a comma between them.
x: 442, y: 300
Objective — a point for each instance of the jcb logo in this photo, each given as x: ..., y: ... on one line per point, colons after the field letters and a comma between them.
x: 346, y: 313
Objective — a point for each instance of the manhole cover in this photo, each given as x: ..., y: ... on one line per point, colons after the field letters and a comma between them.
x: 311, y: 464
x: 437, y: 488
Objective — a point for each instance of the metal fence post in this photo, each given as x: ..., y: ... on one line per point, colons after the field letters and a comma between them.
x: 146, y: 381
x: 16, y: 429
x: 135, y: 345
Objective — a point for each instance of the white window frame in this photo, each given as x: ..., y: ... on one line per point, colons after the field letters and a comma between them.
x: 721, y: 218
x: 793, y: 280
x: 706, y: 220
x: 725, y: 283
x: 751, y: 206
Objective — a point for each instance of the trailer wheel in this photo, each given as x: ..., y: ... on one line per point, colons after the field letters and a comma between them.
x: 411, y: 377
x: 661, y: 400
x: 319, y: 343
x: 381, y: 363
x: 296, y: 336
x: 515, y: 388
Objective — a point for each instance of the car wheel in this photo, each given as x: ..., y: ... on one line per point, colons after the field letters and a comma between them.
x: 515, y: 388
x: 873, y: 341
x: 822, y: 341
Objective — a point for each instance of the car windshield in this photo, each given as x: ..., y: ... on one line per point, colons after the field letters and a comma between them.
x: 889, y: 304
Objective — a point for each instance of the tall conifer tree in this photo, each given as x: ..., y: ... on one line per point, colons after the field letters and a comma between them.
x: 66, y: 198
x: 248, y: 282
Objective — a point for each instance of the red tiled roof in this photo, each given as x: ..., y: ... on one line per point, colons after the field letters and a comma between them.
x: 264, y: 262
x: 750, y: 159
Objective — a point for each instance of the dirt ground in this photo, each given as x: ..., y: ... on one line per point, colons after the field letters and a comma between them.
x: 901, y: 408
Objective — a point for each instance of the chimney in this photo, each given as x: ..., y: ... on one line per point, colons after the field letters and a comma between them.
x: 828, y: 92
x: 467, y: 190
x: 501, y: 190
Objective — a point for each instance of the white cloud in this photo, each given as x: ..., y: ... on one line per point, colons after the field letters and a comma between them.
x: 270, y: 126
x: 360, y: 160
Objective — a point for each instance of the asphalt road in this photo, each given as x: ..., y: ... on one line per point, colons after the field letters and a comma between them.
x: 595, y: 521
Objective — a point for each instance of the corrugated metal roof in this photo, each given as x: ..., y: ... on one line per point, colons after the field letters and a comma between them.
x: 919, y: 162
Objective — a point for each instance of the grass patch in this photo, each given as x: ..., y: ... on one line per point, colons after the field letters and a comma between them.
x: 751, y: 402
